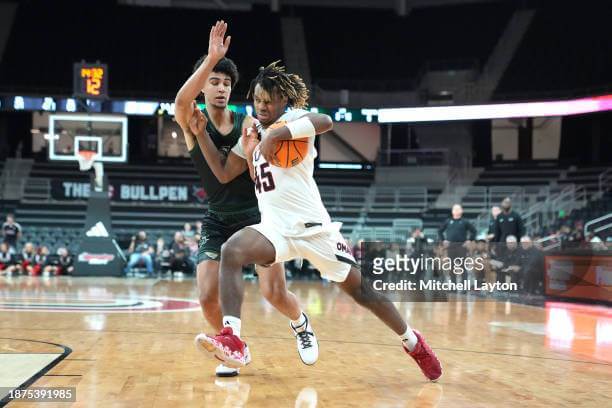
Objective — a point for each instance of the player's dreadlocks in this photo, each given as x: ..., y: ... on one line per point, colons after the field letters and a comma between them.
x: 273, y: 78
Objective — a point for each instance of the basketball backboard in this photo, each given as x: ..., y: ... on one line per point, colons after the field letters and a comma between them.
x: 104, y: 134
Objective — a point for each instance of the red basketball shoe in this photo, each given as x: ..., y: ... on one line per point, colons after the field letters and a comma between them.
x: 226, y: 347
x: 425, y: 358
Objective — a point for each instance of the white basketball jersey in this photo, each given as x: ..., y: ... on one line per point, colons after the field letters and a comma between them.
x: 289, y: 198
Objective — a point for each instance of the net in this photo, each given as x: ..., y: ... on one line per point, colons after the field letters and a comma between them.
x: 86, y: 159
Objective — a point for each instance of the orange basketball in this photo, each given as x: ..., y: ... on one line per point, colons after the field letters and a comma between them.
x: 289, y: 153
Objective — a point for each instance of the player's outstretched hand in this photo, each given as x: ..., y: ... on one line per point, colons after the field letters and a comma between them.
x: 198, y: 121
x: 250, y: 140
x: 217, y: 45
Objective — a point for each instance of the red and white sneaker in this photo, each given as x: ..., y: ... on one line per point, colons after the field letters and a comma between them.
x: 425, y: 358
x: 226, y: 347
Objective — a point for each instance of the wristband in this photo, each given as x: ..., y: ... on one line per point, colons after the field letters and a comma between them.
x: 301, y: 128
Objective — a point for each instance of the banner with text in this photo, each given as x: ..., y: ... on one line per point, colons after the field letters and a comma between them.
x: 145, y: 191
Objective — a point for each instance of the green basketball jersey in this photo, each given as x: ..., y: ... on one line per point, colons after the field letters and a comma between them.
x: 238, y: 194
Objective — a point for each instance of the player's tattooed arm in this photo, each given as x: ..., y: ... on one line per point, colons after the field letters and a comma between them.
x: 217, y: 48
x: 224, y: 169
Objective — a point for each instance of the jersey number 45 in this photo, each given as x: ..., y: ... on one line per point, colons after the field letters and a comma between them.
x: 263, y: 178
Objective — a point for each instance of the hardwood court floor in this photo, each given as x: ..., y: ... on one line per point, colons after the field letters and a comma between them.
x: 132, y: 346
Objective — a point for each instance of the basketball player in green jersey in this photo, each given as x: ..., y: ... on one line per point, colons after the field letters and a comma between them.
x: 232, y: 201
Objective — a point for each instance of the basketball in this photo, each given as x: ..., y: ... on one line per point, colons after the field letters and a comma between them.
x: 289, y: 153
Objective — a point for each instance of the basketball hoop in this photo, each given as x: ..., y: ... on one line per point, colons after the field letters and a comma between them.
x: 86, y: 159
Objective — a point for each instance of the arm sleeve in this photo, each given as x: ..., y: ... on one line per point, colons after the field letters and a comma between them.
x: 238, y: 150
x: 293, y: 114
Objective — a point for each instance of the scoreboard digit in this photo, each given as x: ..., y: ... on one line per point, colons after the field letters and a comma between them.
x: 90, y: 80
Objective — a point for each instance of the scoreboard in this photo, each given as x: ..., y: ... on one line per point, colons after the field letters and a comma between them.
x: 90, y: 80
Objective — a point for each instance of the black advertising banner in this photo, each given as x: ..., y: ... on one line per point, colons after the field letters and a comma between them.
x: 132, y: 191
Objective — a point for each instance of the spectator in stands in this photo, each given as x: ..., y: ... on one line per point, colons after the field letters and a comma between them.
x: 455, y: 234
x: 7, y: 260
x: 27, y: 258
x: 571, y: 237
x: 508, y: 223
x: 198, y: 227
x: 65, y: 266
x: 140, y: 252
x: 11, y: 231
x: 417, y: 243
x: 495, y: 211
x: 40, y: 260
x: 508, y: 265
x: 160, y: 246
x: 188, y: 232
x: 162, y: 255
x: 193, y: 247
x: 416, y: 246
x: 578, y: 234
x: 532, y: 266
x: 179, y: 254
x: 439, y: 251
x: 481, y: 250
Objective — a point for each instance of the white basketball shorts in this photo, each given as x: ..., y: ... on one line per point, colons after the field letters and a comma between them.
x: 326, y: 250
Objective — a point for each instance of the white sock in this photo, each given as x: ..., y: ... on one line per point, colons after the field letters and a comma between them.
x: 233, y: 322
x: 299, y: 322
x: 409, y: 339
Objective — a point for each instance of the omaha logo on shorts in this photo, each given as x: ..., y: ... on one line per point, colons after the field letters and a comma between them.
x: 104, y: 304
x: 342, y: 247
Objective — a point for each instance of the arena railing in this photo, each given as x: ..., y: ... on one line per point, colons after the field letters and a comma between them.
x: 549, y: 242
x: 605, y: 181
x: 598, y: 225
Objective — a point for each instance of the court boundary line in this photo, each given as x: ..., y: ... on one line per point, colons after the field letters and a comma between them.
x: 26, y: 384
x: 328, y: 341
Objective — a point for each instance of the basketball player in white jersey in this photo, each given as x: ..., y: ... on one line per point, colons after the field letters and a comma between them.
x: 294, y: 222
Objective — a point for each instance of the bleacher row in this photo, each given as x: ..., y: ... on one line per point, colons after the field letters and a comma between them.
x: 365, y: 209
x: 540, y: 174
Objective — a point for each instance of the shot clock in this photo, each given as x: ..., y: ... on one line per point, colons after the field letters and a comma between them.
x: 90, y: 80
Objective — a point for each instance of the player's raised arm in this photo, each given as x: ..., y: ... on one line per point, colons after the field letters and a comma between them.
x: 224, y: 169
x: 217, y: 48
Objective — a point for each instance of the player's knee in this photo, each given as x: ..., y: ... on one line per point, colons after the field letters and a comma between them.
x: 232, y: 253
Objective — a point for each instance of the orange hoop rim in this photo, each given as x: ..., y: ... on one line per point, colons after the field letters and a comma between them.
x: 87, y: 154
